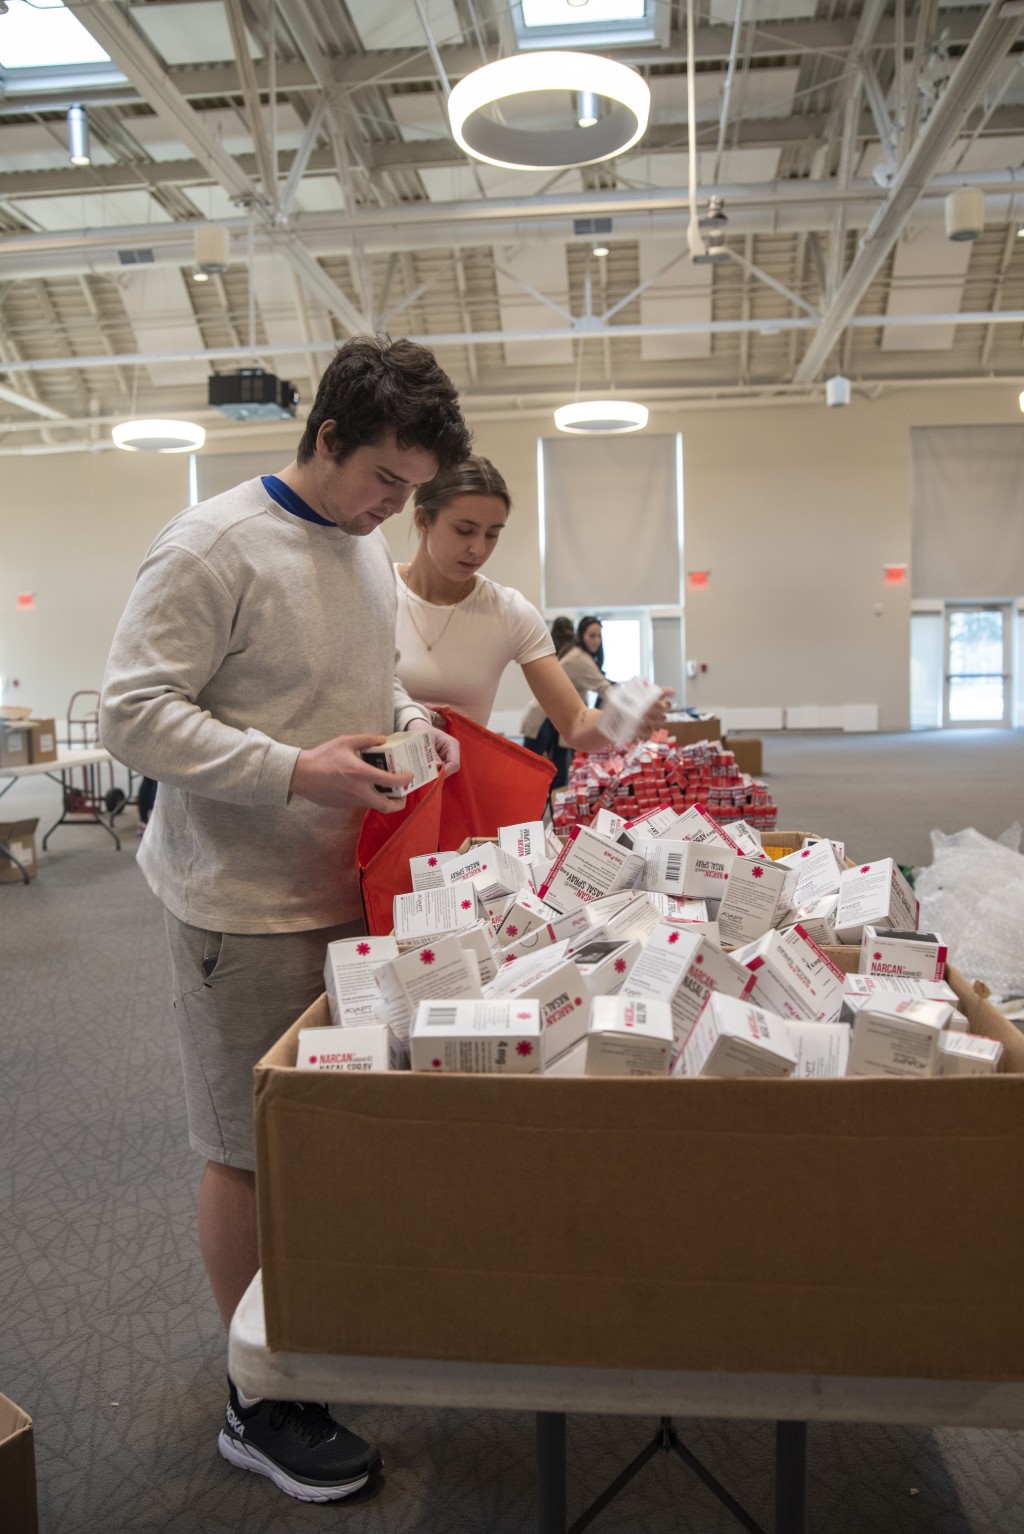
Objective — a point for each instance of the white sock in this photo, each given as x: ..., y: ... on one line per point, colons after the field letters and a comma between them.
x: 247, y: 1401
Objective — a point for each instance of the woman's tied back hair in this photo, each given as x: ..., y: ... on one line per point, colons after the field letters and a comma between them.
x: 374, y: 385
x: 474, y: 476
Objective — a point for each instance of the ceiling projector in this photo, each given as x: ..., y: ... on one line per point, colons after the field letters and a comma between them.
x: 252, y: 395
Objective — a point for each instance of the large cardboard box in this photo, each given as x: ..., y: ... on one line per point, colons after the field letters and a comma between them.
x: 17, y: 1470
x: 14, y: 744
x: 18, y: 837
x: 851, y: 1227
x: 747, y: 751
x: 686, y: 732
x: 42, y: 739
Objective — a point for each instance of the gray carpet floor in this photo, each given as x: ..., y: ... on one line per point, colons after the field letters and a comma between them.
x: 109, y: 1337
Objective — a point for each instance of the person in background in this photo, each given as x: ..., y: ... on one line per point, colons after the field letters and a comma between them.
x: 539, y: 734
x: 252, y: 666
x: 457, y: 631
x: 590, y: 638
x: 146, y: 801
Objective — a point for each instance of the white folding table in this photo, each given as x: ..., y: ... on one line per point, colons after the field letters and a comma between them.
x: 69, y: 760
x: 791, y: 1401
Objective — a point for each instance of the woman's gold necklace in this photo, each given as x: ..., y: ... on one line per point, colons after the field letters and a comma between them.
x: 429, y: 644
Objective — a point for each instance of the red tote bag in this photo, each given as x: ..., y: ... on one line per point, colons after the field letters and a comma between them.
x: 386, y: 843
x: 499, y: 783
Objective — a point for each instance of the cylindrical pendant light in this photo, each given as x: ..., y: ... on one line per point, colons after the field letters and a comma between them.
x: 78, y: 136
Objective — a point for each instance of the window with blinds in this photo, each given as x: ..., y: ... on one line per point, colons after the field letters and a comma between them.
x: 611, y: 521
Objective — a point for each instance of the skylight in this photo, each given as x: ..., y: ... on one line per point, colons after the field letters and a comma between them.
x: 564, y: 13
x: 46, y: 36
x: 589, y: 23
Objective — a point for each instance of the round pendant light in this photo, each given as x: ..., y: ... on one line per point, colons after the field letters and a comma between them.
x: 158, y: 436
x: 622, y: 98
x: 596, y: 417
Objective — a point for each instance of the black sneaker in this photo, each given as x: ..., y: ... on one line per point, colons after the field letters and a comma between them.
x: 299, y: 1446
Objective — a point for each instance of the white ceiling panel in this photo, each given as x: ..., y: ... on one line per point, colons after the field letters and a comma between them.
x: 34, y: 146
x: 453, y: 183
x: 763, y: 10
x: 928, y: 278
x: 679, y: 295
x: 92, y: 210
x: 673, y: 170
x: 997, y: 153
x: 543, y: 268
x: 419, y: 115
x: 194, y: 32
x: 213, y: 202
x: 399, y: 26
x: 320, y: 194
x: 764, y: 92
x: 461, y: 184
x: 228, y: 127
x: 157, y: 301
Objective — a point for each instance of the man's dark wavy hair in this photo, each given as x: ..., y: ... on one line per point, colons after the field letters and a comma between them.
x: 374, y: 385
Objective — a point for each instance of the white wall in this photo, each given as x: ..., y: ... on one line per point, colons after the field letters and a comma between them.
x: 794, y: 509
x: 73, y: 529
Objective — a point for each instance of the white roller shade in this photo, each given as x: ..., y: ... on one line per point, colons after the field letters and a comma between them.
x: 611, y: 522
x: 217, y: 472
x: 968, y: 511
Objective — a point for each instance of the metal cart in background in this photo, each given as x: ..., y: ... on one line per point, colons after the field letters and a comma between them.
x: 90, y: 794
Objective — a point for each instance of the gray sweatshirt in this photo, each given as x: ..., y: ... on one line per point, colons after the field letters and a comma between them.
x: 251, y: 634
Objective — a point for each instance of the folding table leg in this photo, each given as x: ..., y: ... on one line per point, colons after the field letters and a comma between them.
x: 790, y: 1477
x: 550, y: 1472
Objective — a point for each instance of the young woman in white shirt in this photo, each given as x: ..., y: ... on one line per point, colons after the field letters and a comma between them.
x: 457, y: 630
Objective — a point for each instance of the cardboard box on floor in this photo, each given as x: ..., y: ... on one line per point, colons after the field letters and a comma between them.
x: 17, y: 1470
x: 686, y: 732
x: 851, y: 1227
x: 18, y: 837
x: 748, y: 753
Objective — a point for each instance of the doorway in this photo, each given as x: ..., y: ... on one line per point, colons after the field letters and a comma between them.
x: 978, y: 688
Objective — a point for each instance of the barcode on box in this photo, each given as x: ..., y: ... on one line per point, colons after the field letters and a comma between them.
x: 440, y: 1017
x: 674, y: 865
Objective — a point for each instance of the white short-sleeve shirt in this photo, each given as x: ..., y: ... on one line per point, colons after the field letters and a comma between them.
x: 472, y: 643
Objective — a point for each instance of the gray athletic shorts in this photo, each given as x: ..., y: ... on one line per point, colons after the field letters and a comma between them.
x: 233, y: 996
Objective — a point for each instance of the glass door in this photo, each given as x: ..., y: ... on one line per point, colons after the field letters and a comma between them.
x: 978, y: 666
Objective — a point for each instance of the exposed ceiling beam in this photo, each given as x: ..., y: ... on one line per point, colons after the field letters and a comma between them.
x: 759, y: 208
x: 251, y: 98
x: 992, y: 41
x: 592, y: 328
x: 26, y: 402
x: 319, y: 283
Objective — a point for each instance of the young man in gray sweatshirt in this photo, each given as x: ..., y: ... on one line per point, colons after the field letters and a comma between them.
x: 254, y: 660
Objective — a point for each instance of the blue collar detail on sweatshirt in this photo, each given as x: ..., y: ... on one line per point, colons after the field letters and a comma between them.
x: 285, y: 496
